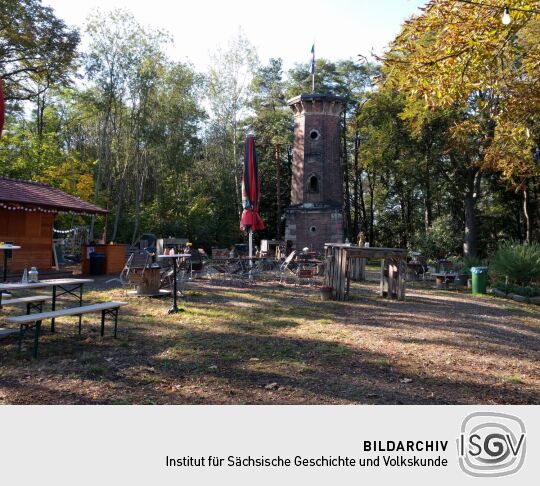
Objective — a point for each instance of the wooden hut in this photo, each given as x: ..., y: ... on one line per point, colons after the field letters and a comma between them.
x: 27, y: 212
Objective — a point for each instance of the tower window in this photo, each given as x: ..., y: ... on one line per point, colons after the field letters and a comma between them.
x: 314, y: 134
x: 313, y: 229
x: 313, y: 183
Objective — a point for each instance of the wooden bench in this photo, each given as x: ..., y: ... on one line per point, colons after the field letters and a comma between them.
x: 107, y: 309
x: 7, y: 332
x: 32, y: 302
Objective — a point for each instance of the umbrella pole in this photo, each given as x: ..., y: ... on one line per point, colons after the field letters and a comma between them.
x: 250, y: 253
x: 250, y: 248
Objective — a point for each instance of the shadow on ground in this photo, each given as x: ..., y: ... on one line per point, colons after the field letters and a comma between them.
x: 272, y: 344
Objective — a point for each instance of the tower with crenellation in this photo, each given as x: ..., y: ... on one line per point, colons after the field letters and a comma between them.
x: 315, y: 216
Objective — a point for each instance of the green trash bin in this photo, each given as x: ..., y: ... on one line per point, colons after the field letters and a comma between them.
x: 479, y: 279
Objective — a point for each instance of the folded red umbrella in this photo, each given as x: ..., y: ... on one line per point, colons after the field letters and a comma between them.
x: 251, y: 189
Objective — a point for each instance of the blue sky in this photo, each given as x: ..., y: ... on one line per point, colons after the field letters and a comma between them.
x: 341, y: 29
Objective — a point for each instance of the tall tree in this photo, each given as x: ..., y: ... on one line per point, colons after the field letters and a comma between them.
x: 229, y: 94
x: 37, y: 49
x: 459, y: 54
x: 273, y: 126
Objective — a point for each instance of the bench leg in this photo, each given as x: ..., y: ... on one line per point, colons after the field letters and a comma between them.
x: 53, y: 307
x: 80, y: 304
x: 30, y: 306
x: 102, y: 323
x: 37, y: 331
x: 115, y: 322
x: 21, y: 334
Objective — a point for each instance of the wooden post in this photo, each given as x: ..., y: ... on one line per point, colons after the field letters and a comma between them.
x: 348, y: 277
x: 391, y: 279
x: 402, y: 273
x: 357, y: 268
x: 362, y: 264
x: 341, y: 274
x: 383, y: 280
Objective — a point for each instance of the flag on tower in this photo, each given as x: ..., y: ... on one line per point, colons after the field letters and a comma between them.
x: 312, y: 67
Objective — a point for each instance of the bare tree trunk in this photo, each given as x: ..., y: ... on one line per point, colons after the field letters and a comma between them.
x: 347, y: 205
x: 278, y: 191
x: 104, y: 151
x: 363, y: 203
x: 528, y: 224
x: 356, y: 186
x: 119, y: 201
x: 428, y: 211
x: 40, y: 110
x: 471, y: 228
x: 371, y: 183
x: 235, y: 169
x: 138, y: 200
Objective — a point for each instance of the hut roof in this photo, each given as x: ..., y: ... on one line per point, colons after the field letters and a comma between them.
x: 36, y: 196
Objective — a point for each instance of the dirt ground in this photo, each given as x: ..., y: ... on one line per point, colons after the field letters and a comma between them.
x: 267, y: 344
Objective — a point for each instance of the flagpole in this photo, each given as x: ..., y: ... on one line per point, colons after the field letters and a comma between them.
x: 312, y: 68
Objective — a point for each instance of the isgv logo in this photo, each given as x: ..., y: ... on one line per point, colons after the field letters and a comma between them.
x: 491, y: 444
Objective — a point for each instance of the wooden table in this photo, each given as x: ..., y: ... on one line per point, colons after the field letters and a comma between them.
x: 6, y: 249
x: 175, y: 257
x: 339, y: 258
x: 60, y: 287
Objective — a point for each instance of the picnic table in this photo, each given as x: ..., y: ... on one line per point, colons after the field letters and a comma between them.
x: 69, y: 287
x: 7, y: 249
x: 175, y: 257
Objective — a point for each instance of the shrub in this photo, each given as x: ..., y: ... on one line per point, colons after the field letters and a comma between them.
x: 443, y: 238
x: 520, y: 263
x: 467, y: 262
x: 516, y: 289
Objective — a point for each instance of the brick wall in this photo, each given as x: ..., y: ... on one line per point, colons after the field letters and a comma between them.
x: 317, y: 179
x: 320, y: 156
x: 314, y: 228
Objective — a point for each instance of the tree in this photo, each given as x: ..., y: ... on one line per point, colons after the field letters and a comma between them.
x: 229, y: 94
x: 273, y: 126
x: 123, y: 62
x: 460, y: 55
x: 37, y: 49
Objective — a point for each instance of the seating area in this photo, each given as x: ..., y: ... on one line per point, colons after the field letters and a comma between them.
x: 69, y: 289
x: 34, y: 321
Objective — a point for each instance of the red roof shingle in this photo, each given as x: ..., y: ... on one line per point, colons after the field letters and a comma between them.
x: 39, y: 194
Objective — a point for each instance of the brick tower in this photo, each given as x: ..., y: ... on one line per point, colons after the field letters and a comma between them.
x: 315, y: 216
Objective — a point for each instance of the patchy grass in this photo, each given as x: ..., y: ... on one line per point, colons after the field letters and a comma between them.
x: 272, y: 344
x: 515, y: 379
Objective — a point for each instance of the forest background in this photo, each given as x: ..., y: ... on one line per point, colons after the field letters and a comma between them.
x: 440, y: 141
